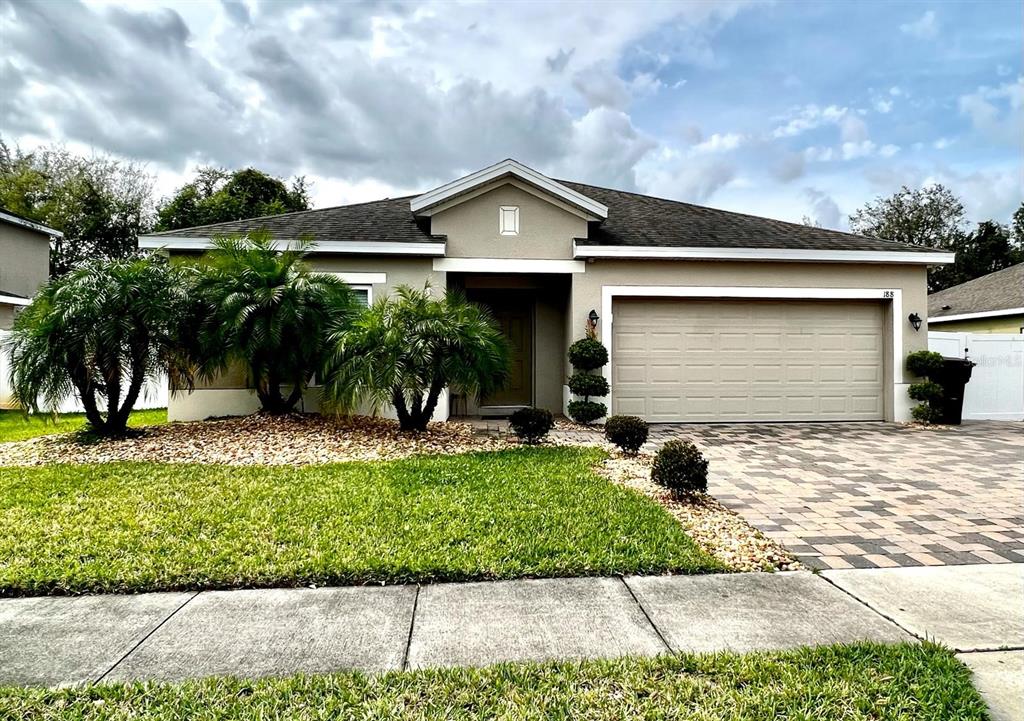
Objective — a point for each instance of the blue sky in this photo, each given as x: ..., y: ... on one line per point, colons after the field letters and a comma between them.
x: 784, y: 109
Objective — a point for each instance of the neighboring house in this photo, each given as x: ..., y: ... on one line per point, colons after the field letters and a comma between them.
x: 24, y: 262
x: 993, y: 303
x: 708, y: 315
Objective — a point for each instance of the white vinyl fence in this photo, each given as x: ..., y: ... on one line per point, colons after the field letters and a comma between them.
x: 153, y: 395
x: 996, y: 388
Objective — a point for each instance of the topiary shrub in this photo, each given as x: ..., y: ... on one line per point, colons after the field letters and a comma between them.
x: 924, y: 363
x: 531, y: 424
x: 627, y: 432
x: 681, y: 468
x: 587, y: 354
x: 928, y: 393
x: 588, y: 384
x: 586, y: 411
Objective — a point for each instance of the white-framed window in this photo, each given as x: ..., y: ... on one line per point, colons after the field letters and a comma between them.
x: 508, y: 220
x: 363, y: 293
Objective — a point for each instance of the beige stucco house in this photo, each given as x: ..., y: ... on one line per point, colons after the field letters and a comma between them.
x: 708, y: 315
x: 24, y: 262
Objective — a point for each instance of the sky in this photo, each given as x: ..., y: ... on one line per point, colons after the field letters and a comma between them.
x: 781, y: 109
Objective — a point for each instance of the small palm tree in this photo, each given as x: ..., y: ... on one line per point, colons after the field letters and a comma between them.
x: 407, y: 348
x: 264, y: 308
x: 97, y: 332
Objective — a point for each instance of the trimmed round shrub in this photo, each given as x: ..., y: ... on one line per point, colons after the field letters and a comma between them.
x: 531, y: 424
x: 627, y: 432
x: 927, y: 391
x: 925, y: 413
x: 588, y: 384
x: 586, y: 411
x: 681, y: 468
x: 587, y: 354
x: 924, y: 363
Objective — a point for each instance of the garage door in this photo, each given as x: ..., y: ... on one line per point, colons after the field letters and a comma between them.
x: 722, y: 360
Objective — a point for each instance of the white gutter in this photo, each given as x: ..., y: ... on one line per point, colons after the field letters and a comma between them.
x: 932, y: 320
x: 31, y: 225
x: 761, y: 254
x: 14, y: 300
x: 327, y: 246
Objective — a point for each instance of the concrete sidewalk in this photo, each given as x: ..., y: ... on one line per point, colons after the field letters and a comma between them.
x: 176, y: 636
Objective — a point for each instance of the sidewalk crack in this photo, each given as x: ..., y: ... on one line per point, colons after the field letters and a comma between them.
x: 412, y: 625
x: 146, y: 637
x: 646, y: 615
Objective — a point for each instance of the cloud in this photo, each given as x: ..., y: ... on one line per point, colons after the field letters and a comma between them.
x: 883, y: 106
x: 854, y: 150
x: 720, y: 143
x: 605, y: 149
x: 852, y: 129
x: 691, y: 179
x: 809, y: 117
x: 888, y: 150
x: 996, y: 112
x: 237, y: 11
x: 924, y: 27
x: 558, y: 62
x: 791, y: 167
x: 824, y: 209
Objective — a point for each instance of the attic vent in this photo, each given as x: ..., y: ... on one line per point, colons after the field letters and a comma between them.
x: 508, y: 220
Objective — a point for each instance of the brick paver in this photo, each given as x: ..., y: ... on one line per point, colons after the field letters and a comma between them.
x: 865, y: 495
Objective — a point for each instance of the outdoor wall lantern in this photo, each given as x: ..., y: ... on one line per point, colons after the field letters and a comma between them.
x: 593, y: 318
x: 915, y: 320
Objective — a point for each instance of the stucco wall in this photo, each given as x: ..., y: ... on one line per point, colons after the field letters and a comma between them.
x: 24, y: 260
x: 911, y: 280
x: 998, y: 324
x: 546, y: 231
x: 6, y: 316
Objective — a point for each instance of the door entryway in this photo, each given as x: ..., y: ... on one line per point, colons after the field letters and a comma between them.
x: 515, y: 316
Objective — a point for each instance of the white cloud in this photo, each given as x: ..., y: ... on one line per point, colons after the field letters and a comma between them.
x: 996, y: 112
x: 852, y: 129
x: 926, y: 26
x: 883, y: 106
x: 719, y: 143
x: 888, y: 150
x: 942, y: 143
x: 854, y: 150
x: 824, y: 209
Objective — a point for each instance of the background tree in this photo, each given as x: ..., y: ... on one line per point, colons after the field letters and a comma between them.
x: 99, y: 203
x: 934, y: 217
x: 408, y: 347
x: 99, y: 332
x: 217, y: 196
x: 264, y: 308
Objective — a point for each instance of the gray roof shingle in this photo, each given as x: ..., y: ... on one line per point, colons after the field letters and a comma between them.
x: 633, y: 220
x: 643, y: 220
x: 1001, y: 290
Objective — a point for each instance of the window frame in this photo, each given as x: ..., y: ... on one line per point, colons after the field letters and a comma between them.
x: 515, y: 220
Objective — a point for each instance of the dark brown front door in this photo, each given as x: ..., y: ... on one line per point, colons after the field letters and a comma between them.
x: 517, y: 324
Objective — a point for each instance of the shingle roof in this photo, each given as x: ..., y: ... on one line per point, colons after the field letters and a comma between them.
x: 388, y: 220
x: 1001, y: 290
x: 643, y: 220
x: 633, y: 220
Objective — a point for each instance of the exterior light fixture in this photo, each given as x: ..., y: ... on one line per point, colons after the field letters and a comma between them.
x: 593, y: 317
x: 915, y: 320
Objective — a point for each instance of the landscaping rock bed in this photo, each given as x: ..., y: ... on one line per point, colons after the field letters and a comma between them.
x: 719, y: 531
x: 297, y: 439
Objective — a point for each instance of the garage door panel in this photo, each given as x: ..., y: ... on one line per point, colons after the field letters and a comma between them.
x: 707, y: 360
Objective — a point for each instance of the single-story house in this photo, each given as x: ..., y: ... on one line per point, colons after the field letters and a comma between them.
x: 708, y: 315
x: 24, y: 262
x: 993, y: 303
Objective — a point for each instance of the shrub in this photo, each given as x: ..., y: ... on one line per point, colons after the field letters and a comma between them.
x: 627, y: 432
x: 681, y: 468
x: 531, y: 424
x: 924, y: 363
x: 586, y: 411
x: 588, y: 384
x: 925, y: 413
x: 587, y: 354
x: 928, y: 391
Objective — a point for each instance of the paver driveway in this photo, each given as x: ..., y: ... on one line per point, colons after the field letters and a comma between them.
x: 842, y: 495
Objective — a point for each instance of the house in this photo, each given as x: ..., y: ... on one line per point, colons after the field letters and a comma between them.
x: 993, y: 303
x: 708, y: 315
x: 24, y: 262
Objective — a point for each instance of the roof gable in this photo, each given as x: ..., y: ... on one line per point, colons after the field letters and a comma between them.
x: 999, y: 291
x: 425, y: 203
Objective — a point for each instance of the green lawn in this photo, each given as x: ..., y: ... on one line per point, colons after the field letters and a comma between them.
x: 14, y: 426
x: 143, y: 527
x: 863, y: 682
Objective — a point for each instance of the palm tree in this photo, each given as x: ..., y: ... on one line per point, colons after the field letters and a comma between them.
x: 408, y: 347
x: 99, y: 332
x: 264, y: 308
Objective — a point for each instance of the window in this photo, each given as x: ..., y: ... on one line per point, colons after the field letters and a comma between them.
x: 508, y: 220
x: 363, y: 294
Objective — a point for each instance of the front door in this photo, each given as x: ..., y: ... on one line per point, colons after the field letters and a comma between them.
x: 516, y: 321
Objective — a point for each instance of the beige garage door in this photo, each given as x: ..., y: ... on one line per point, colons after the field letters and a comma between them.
x: 723, y: 360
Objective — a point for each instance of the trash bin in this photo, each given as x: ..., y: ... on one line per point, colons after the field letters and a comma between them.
x: 953, y: 377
